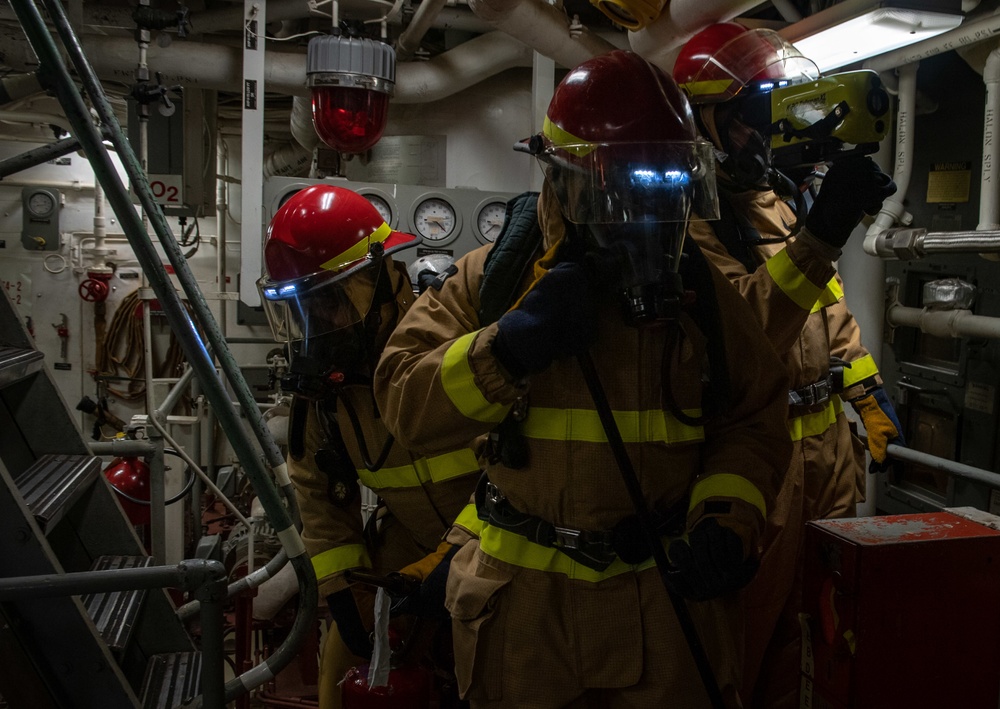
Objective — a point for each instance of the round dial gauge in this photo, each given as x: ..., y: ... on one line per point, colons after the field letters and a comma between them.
x: 41, y: 203
x: 380, y: 204
x: 490, y: 220
x: 435, y: 219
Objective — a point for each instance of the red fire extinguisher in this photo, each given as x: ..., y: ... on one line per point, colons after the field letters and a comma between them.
x: 408, y: 687
x: 129, y: 476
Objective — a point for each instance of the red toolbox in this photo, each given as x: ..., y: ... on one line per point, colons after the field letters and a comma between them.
x: 903, y: 611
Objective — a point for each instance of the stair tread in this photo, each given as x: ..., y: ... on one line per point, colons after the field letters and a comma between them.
x: 171, y: 680
x: 54, y: 482
x: 115, y: 612
x: 16, y: 364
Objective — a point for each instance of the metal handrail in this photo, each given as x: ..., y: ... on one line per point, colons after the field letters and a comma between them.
x: 205, y: 578
x: 55, y: 74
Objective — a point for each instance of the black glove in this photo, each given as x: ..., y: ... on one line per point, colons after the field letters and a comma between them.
x: 344, y: 610
x: 425, y: 279
x: 555, y: 319
x: 710, y: 563
x: 851, y: 188
x: 428, y: 599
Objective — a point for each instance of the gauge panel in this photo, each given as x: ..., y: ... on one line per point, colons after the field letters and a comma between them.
x: 383, y: 203
x: 489, y: 219
x: 41, y: 204
x: 435, y: 218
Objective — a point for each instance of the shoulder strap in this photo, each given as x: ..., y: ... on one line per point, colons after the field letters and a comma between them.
x: 510, y: 257
x: 736, y: 233
x: 704, y: 310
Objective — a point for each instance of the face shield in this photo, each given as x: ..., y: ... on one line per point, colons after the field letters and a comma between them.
x: 322, y: 318
x: 635, y: 200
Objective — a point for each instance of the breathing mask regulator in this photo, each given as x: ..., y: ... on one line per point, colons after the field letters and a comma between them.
x: 343, y: 345
x: 326, y: 282
x: 770, y: 113
x: 628, y: 177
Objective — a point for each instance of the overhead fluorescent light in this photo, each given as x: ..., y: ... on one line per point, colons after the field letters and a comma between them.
x: 855, y: 30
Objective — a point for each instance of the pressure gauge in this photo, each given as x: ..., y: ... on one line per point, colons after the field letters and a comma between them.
x: 41, y: 204
x: 382, y: 205
x: 436, y: 220
x: 490, y: 217
x: 40, y: 229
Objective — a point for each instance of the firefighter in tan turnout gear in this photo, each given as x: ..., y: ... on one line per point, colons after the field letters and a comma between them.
x: 333, y: 293
x: 559, y: 603
x: 794, y: 289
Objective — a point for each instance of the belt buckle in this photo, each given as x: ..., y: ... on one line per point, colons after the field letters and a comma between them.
x: 493, y: 494
x: 566, y: 538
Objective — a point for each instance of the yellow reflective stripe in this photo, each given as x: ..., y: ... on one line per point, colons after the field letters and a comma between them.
x: 460, y: 384
x: 565, y: 140
x: 727, y: 485
x: 423, y: 470
x: 830, y: 295
x: 470, y: 520
x: 358, y: 250
x: 517, y: 550
x: 585, y: 425
x: 861, y: 368
x: 815, y: 424
x: 700, y: 89
x: 792, y: 281
x: 332, y: 561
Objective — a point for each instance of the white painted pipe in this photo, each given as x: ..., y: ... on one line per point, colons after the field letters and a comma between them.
x: 944, y: 323
x: 989, y: 192
x: 542, y: 27
x: 212, y: 66
x: 409, y: 40
x: 968, y: 33
x: 893, y: 208
x: 943, y: 464
x: 301, y: 123
x: 661, y: 40
x: 35, y: 118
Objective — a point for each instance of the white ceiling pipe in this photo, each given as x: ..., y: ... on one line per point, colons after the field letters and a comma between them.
x: 893, y: 209
x: 409, y: 41
x: 660, y: 41
x: 302, y: 126
x: 969, y: 32
x: 34, y: 118
x: 542, y: 27
x: 211, y: 66
x: 466, y: 65
x: 231, y: 18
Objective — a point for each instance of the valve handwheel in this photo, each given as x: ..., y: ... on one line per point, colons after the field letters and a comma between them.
x: 93, y: 290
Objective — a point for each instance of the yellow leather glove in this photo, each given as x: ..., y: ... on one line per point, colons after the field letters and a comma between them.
x: 422, y: 569
x: 881, y: 424
x: 428, y: 599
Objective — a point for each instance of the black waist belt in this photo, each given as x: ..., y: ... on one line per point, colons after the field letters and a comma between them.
x: 595, y: 550
x: 815, y: 393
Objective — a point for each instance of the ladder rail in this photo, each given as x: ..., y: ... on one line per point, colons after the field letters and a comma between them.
x: 55, y: 73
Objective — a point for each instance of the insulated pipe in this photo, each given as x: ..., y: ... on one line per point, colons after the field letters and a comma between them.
x: 542, y: 27
x: 659, y: 41
x: 210, y: 66
x: 33, y: 118
x: 301, y: 123
x: 944, y: 323
x: 989, y: 192
x: 906, y: 244
x: 892, y: 207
